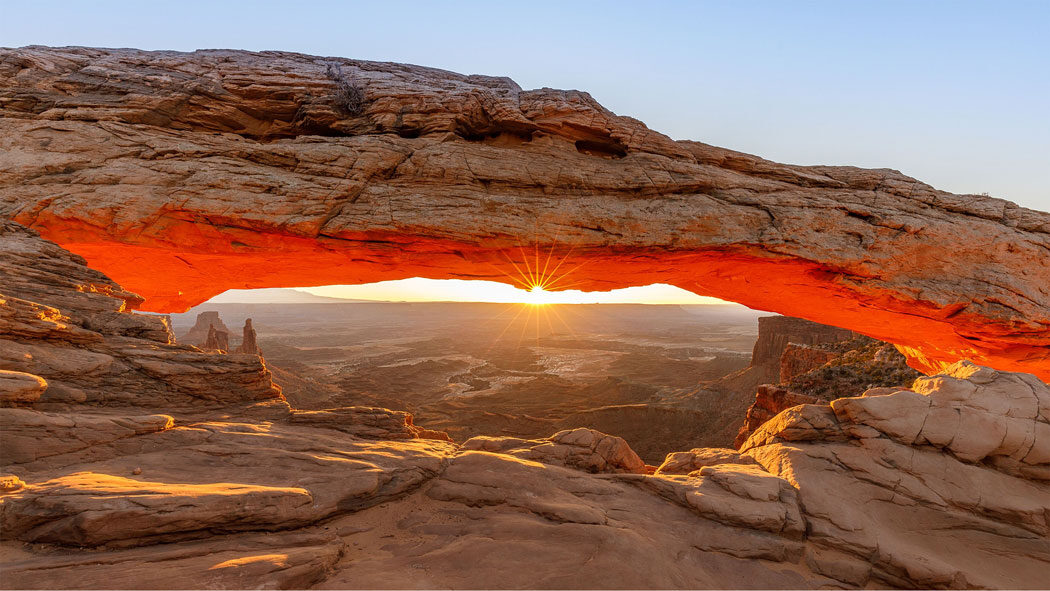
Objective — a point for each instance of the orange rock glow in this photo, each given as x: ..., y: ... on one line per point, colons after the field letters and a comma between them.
x: 209, y: 261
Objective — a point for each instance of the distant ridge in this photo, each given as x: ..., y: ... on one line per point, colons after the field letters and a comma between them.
x: 275, y: 295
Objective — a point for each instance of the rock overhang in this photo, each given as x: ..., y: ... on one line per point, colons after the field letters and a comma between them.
x: 183, y: 175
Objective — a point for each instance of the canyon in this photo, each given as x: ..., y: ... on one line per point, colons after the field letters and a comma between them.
x: 136, y: 181
x: 132, y: 461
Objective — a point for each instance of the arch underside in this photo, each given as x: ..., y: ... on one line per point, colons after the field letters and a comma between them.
x: 174, y: 280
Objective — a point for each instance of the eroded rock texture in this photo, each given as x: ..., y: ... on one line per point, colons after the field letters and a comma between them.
x: 197, y: 477
x: 68, y: 327
x: 198, y: 333
x: 182, y: 175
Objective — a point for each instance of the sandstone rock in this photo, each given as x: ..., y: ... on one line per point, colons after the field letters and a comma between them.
x: 89, y: 509
x: 684, y: 462
x: 10, y: 483
x: 246, y: 163
x: 16, y: 386
x: 798, y: 359
x: 777, y: 333
x: 231, y: 488
x: 365, y: 421
x: 974, y: 412
x: 558, y: 527
x: 805, y: 422
x: 248, y: 340
x: 267, y: 561
x: 877, y: 490
x: 28, y: 435
x: 68, y: 325
x: 210, y: 477
x: 853, y: 367
x: 742, y: 495
x: 585, y: 449
x: 198, y: 333
x: 769, y: 401
x: 217, y: 340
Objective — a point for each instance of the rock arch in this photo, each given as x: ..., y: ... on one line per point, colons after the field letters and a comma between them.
x: 183, y: 175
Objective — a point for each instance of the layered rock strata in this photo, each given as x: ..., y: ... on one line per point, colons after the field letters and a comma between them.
x: 769, y: 401
x: 249, y: 343
x: 248, y: 170
x: 198, y: 333
x: 68, y: 328
x: 217, y: 340
x: 776, y: 334
x: 944, y: 485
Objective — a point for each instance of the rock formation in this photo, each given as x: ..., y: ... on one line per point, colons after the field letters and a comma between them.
x: 198, y: 333
x: 249, y: 171
x: 776, y: 333
x: 769, y: 402
x: 67, y: 331
x: 799, y: 359
x: 166, y: 462
x: 218, y: 340
x: 248, y: 340
x: 835, y: 370
x: 129, y: 459
x: 814, y: 373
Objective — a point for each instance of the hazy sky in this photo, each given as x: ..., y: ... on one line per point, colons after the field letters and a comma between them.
x: 955, y: 93
x: 418, y: 289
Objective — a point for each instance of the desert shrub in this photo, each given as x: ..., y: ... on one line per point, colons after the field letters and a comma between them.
x: 349, y: 94
x: 864, y: 363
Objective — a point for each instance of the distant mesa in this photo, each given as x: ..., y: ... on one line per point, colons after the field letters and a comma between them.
x: 216, y: 336
x: 802, y: 362
x: 218, y: 340
x: 200, y: 332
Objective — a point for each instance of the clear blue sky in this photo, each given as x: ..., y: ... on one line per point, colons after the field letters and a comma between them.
x: 955, y: 93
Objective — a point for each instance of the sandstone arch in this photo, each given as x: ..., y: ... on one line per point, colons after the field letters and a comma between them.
x: 183, y: 175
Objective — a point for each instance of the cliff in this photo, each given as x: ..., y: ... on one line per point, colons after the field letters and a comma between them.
x: 181, y: 465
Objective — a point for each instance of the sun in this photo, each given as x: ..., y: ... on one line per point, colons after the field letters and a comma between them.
x: 537, y: 296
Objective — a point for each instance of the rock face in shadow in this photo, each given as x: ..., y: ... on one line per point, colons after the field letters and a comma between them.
x: 198, y: 333
x: 68, y: 327
x: 776, y: 333
x: 217, y: 340
x: 769, y: 401
x: 249, y: 343
x: 140, y: 484
x: 814, y: 373
x: 251, y: 172
x: 785, y: 346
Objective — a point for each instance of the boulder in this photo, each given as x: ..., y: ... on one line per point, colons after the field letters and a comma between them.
x: 584, y: 449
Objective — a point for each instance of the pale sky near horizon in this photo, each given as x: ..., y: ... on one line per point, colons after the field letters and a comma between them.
x: 954, y: 93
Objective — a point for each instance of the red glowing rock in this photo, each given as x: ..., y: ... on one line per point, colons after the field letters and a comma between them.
x: 184, y: 175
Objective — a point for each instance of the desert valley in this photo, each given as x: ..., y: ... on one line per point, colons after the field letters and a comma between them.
x: 873, y: 414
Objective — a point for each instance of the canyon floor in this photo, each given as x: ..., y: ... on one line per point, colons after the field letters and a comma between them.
x: 512, y: 369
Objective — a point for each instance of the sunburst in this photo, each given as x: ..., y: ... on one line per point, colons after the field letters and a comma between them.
x: 540, y: 275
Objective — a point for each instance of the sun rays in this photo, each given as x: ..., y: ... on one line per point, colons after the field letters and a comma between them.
x: 544, y: 279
